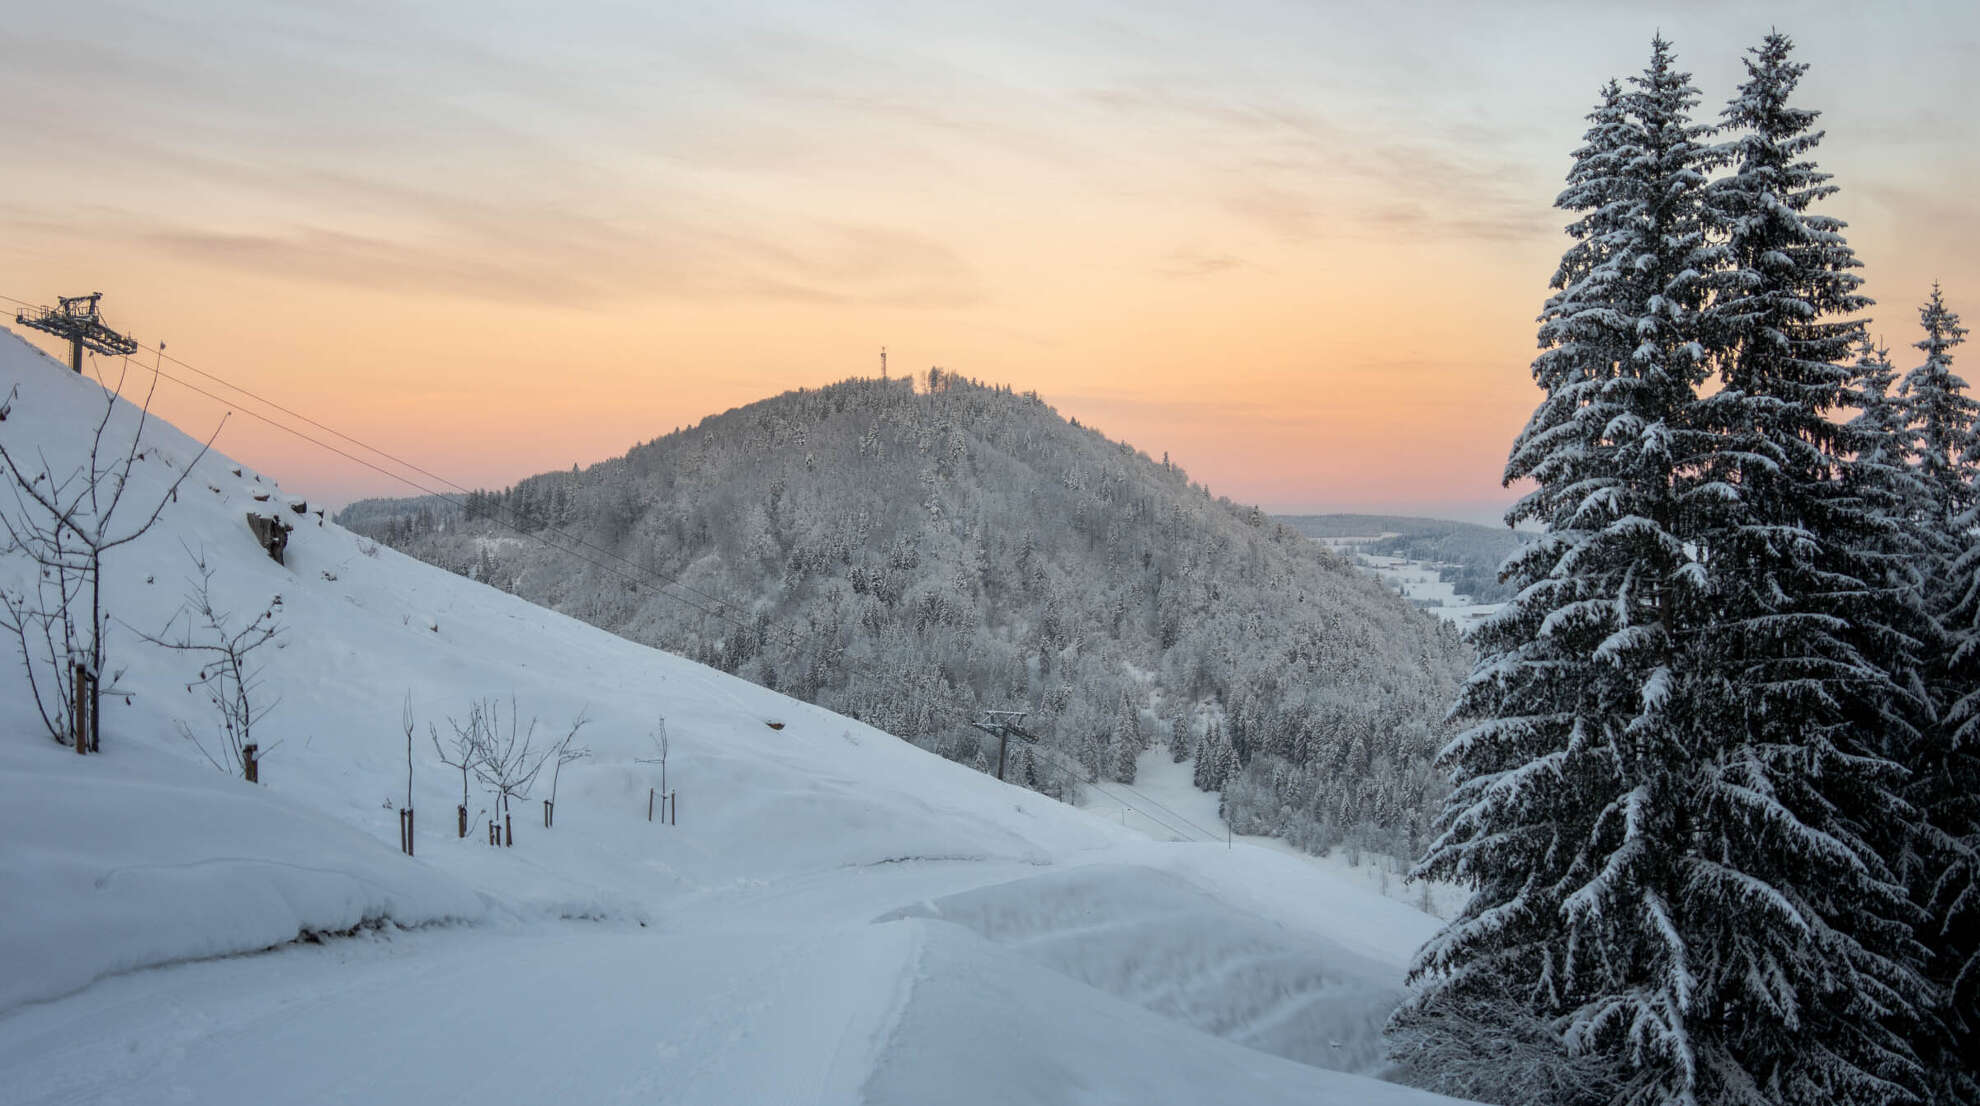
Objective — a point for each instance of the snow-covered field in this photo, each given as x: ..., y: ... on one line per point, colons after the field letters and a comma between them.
x: 837, y: 917
x: 1415, y: 581
x: 1164, y: 804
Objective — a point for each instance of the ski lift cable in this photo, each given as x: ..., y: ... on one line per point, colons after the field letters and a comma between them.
x: 791, y: 634
x: 636, y: 575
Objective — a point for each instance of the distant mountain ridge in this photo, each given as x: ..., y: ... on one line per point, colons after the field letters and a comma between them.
x: 911, y: 556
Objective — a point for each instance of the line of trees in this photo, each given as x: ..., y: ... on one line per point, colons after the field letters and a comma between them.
x: 1716, y: 797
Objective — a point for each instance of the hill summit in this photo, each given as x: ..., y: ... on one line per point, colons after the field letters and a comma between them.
x: 913, y: 551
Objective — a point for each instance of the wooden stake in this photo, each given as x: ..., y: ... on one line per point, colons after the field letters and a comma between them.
x: 462, y: 809
x: 649, y: 804
x: 249, y: 765
x: 546, y: 814
x: 78, y: 701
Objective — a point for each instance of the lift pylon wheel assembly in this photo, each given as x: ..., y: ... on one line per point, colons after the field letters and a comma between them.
x: 76, y: 322
x: 1004, y: 725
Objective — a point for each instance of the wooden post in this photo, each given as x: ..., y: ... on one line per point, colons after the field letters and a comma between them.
x: 673, y: 808
x: 462, y: 810
x: 649, y: 804
x: 546, y: 814
x: 249, y: 766
x: 491, y: 831
x: 511, y: 828
x: 78, y: 707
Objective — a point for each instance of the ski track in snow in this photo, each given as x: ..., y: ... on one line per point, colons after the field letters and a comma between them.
x: 838, y: 917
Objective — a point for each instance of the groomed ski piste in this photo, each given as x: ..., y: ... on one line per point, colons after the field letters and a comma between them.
x: 837, y: 917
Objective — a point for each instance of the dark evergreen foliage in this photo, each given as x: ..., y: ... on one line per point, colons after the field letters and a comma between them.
x: 1946, y: 776
x: 1684, y: 802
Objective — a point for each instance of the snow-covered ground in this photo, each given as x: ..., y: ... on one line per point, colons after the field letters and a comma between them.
x: 1415, y: 581
x: 837, y: 917
x: 1164, y: 804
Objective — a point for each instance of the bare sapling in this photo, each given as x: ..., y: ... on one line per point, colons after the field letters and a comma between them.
x: 463, y: 748
x: 229, y: 675
x: 565, y: 755
x: 508, y: 760
x: 65, y: 524
x: 406, y: 812
x: 661, y: 744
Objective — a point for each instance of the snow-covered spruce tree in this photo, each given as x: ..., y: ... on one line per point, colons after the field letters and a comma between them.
x: 1943, y: 415
x: 1884, y: 443
x: 1124, y: 744
x: 1179, y: 739
x: 1567, y: 814
x: 1947, y: 782
x: 1879, y: 477
x: 1803, y: 982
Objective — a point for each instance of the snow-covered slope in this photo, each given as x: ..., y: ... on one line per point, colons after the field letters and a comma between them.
x: 837, y: 917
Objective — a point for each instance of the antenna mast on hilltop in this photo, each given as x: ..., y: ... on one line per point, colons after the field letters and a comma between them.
x: 883, y: 362
x: 77, y: 323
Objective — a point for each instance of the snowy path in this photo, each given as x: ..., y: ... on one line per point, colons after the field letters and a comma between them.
x: 570, y: 1014
x: 907, y: 1011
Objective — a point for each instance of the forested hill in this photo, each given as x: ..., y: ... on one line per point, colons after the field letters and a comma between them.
x: 910, y: 552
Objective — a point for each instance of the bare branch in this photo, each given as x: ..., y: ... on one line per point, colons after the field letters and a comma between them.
x: 228, y: 675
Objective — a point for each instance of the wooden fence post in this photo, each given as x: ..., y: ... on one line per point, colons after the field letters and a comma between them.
x: 78, y: 707
x: 249, y: 765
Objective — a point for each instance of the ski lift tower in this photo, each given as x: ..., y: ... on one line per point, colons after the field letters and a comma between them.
x: 1004, y: 725
x: 77, y: 322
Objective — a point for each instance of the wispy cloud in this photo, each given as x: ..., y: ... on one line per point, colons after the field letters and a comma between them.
x: 1190, y: 263
x: 853, y: 265
x: 1300, y: 173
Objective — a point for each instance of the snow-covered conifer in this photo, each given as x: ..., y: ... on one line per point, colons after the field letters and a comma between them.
x: 1610, y: 824
x: 1942, y: 412
x: 1789, y: 906
x: 1946, y: 778
x: 1124, y: 745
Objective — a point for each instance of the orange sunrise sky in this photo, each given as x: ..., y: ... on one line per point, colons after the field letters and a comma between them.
x: 1299, y: 247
